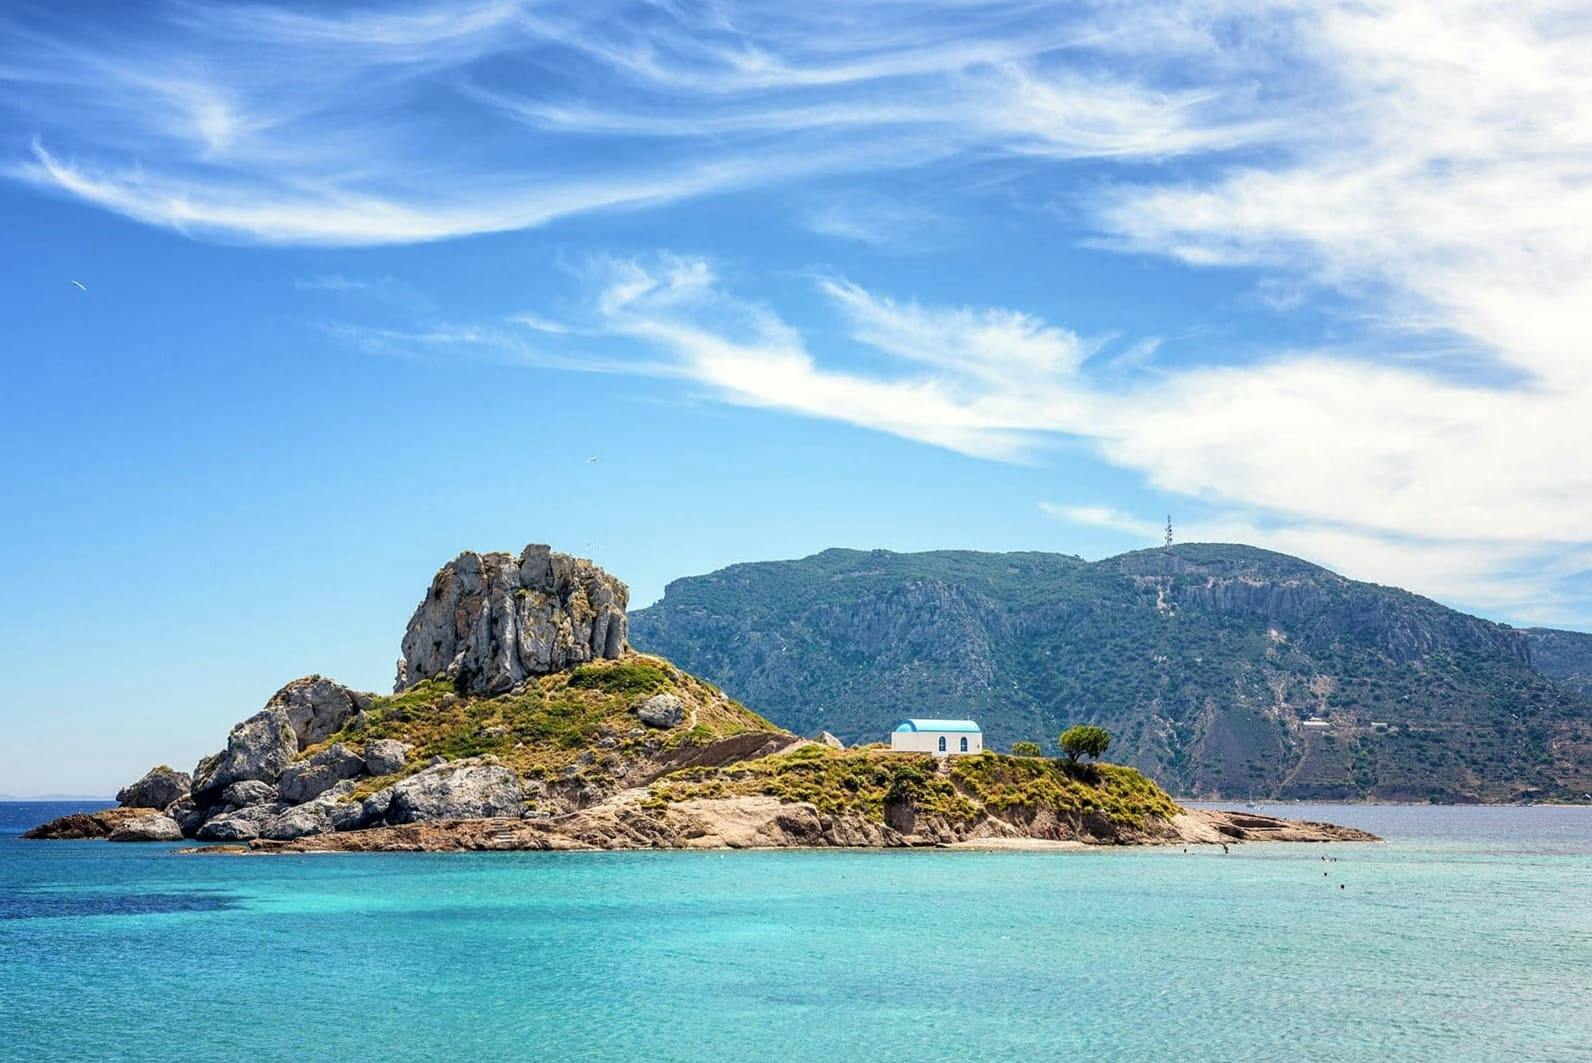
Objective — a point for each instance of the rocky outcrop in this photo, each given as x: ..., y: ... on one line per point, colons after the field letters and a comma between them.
x: 86, y: 825
x: 159, y: 788
x: 155, y: 827
x: 238, y: 825
x: 825, y: 738
x: 317, y: 707
x: 491, y: 620
x: 661, y: 710
x: 307, y: 779
x: 458, y: 790
x: 258, y: 749
x: 386, y: 756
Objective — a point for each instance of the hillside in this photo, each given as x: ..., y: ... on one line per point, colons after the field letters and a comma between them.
x: 1204, y: 662
x: 1563, y: 656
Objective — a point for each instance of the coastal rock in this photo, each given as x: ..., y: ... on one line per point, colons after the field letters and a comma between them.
x: 661, y: 710
x: 297, y: 822
x: 374, y: 808
x: 155, y: 827
x: 249, y: 792
x: 188, y: 815
x: 830, y: 740
x: 462, y: 790
x: 308, y: 779
x: 82, y: 825
x: 491, y: 620
x: 385, y: 756
x: 317, y: 707
x: 240, y: 825
x: 159, y: 788
x: 258, y: 748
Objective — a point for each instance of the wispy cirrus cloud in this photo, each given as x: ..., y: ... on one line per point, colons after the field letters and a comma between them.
x: 267, y: 123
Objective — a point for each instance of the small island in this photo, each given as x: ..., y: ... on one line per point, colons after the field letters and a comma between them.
x: 521, y: 719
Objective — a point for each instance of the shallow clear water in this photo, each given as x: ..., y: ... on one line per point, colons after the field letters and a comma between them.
x: 1468, y: 935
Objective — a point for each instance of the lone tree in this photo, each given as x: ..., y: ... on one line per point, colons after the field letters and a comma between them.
x: 1027, y: 749
x: 1084, y: 740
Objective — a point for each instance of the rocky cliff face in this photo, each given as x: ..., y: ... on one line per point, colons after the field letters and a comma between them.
x: 490, y: 621
x: 1204, y: 662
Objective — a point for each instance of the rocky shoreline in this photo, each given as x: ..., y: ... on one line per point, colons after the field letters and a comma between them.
x: 768, y: 823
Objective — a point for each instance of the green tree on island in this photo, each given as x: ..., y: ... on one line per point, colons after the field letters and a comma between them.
x: 1084, y: 740
x: 1027, y: 749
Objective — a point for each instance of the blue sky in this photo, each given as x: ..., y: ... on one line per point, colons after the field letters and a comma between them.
x: 368, y: 286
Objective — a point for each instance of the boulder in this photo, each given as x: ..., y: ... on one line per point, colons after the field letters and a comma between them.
x: 308, y: 779
x: 661, y: 710
x: 462, y: 790
x: 317, y: 707
x: 825, y: 738
x: 249, y: 792
x: 384, y: 756
x: 239, y: 825
x: 298, y: 821
x: 156, y: 827
x: 489, y: 621
x: 159, y: 788
x: 258, y: 748
x: 374, y: 808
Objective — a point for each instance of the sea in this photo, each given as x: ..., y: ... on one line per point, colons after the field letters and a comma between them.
x: 1466, y: 935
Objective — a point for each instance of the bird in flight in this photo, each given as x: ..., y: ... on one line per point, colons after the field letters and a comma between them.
x: 591, y: 461
x: 81, y: 286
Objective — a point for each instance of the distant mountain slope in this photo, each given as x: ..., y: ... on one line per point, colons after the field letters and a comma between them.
x: 1563, y: 656
x: 1204, y: 662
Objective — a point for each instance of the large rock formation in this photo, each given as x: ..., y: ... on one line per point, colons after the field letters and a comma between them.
x: 317, y: 707
x: 259, y: 748
x: 491, y: 620
x: 159, y: 788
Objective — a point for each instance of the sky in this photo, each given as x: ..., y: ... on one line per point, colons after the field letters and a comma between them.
x: 300, y: 302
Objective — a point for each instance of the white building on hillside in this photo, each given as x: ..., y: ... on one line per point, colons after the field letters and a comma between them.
x: 940, y: 737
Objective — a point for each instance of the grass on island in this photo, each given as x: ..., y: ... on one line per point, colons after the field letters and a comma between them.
x: 863, y: 779
x: 553, y: 723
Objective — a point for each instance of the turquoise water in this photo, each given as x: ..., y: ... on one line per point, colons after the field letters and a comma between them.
x: 1468, y: 935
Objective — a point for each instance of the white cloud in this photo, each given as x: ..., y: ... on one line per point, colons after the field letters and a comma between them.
x: 1388, y: 474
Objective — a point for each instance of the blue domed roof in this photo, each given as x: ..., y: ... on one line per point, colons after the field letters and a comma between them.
x: 953, y: 726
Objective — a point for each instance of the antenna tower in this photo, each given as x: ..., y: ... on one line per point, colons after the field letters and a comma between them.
x: 1168, y: 544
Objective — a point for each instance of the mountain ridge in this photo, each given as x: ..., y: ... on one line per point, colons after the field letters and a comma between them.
x: 1205, y: 660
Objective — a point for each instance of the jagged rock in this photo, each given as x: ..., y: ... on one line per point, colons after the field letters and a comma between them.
x: 374, y: 808
x: 156, y: 827
x: 296, y: 822
x: 249, y: 792
x: 258, y: 748
x: 462, y: 790
x: 240, y: 825
x: 490, y: 620
x: 159, y: 788
x: 830, y: 740
x: 317, y: 707
x: 385, y: 756
x: 661, y: 710
x: 310, y: 778
x: 188, y: 814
